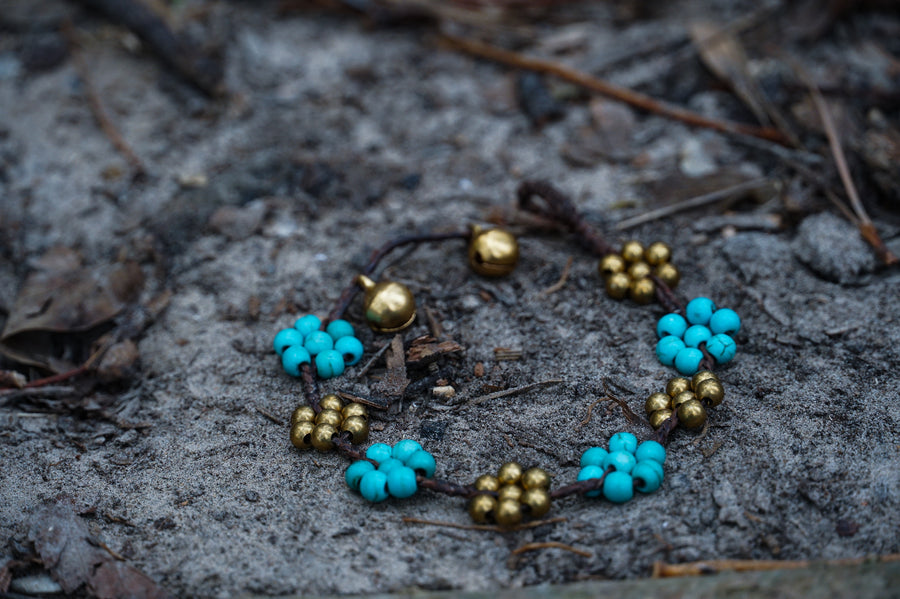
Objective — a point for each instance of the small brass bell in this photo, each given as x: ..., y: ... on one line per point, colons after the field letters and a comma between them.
x: 493, y: 252
x: 390, y: 306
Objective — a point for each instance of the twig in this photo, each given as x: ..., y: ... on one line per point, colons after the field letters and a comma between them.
x: 662, y: 569
x: 562, y: 278
x: 369, y: 364
x: 270, y: 416
x: 587, y: 417
x: 694, y: 202
x: 201, y: 68
x: 602, y: 87
x: 17, y: 394
x: 550, y: 545
x: 513, y: 391
x: 96, y: 105
x: 488, y: 527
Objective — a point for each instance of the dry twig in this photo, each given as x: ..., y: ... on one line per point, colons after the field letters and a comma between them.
x: 513, y: 391
x: 562, y: 278
x: 602, y: 87
x: 663, y: 570
x: 550, y: 545
x: 488, y: 527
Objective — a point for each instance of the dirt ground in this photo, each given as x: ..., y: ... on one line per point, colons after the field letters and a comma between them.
x: 337, y: 135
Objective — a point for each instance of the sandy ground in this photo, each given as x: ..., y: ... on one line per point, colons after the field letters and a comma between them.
x: 339, y: 137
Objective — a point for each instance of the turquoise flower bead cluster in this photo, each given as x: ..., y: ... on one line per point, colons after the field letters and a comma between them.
x: 330, y: 350
x: 395, y: 474
x: 626, y: 466
x: 680, y: 337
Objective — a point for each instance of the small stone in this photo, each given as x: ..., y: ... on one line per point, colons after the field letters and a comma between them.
x: 443, y: 391
x: 833, y: 248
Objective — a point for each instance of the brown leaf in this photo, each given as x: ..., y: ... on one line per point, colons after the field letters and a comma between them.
x: 63, y: 543
x: 64, y: 297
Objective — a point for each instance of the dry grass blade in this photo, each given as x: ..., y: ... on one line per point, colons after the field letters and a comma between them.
x: 694, y: 202
x: 513, y: 391
x: 550, y: 545
x: 562, y: 278
x: 636, y: 99
x: 865, y: 225
x: 487, y: 527
x: 664, y: 570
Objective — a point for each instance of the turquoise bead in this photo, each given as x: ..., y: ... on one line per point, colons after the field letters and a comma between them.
x: 339, y: 328
x: 285, y: 339
x: 589, y: 472
x: 307, y: 324
x: 389, y: 464
x: 646, y: 478
x: 593, y: 457
x: 622, y: 461
x: 329, y: 364
x: 687, y: 362
x: 699, y: 310
x: 725, y: 320
x: 379, y: 452
x: 373, y: 486
x: 350, y: 348
x: 623, y: 442
x: 292, y: 358
x: 668, y: 348
x: 317, y: 342
x: 405, y: 448
x: 401, y: 482
x: 355, y: 473
x: 618, y: 487
x: 654, y: 465
x: 651, y: 450
x: 671, y: 324
x: 422, y: 463
x: 695, y: 335
x: 721, y: 347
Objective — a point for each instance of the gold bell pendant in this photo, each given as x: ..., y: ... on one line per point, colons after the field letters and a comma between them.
x: 390, y: 306
x: 493, y: 252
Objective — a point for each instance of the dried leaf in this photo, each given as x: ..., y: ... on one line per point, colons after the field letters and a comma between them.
x: 64, y: 297
x: 63, y: 543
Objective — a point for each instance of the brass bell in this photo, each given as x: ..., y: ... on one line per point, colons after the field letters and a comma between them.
x: 390, y: 306
x: 492, y: 252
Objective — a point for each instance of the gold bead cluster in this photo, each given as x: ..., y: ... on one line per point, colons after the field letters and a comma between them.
x: 309, y: 429
x: 517, y: 492
x: 628, y: 272
x: 688, y: 397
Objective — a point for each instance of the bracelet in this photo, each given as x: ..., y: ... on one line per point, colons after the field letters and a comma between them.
x: 693, y: 338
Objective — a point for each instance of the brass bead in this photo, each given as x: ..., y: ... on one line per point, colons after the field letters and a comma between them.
x: 301, y: 434
x: 642, y: 291
x: 632, y: 251
x: 639, y: 270
x: 681, y: 398
x: 321, y: 437
x: 332, y: 417
x: 357, y: 427
x: 657, y: 401
x: 668, y: 274
x: 481, y: 507
x: 509, y: 473
x: 702, y: 376
x: 493, y: 252
x: 513, y: 492
x: 658, y: 253
x: 677, y: 385
x: 355, y: 409
x: 692, y: 414
x: 508, y: 513
x: 303, y: 414
x: 611, y: 264
x: 537, y: 500
x: 331, y: 402
x: 710, y: 392
x: 486, y: 482
x: 536, y: 478
x: 617, y: 285
x: 658, y: 417
x: 389, y: 306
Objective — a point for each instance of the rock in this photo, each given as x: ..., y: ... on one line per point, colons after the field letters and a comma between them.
x: 833, y: 248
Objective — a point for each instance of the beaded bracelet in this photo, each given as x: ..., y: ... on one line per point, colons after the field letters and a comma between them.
x: 693, y: 338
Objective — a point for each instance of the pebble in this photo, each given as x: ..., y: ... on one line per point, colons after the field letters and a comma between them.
x: 833, y: 248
